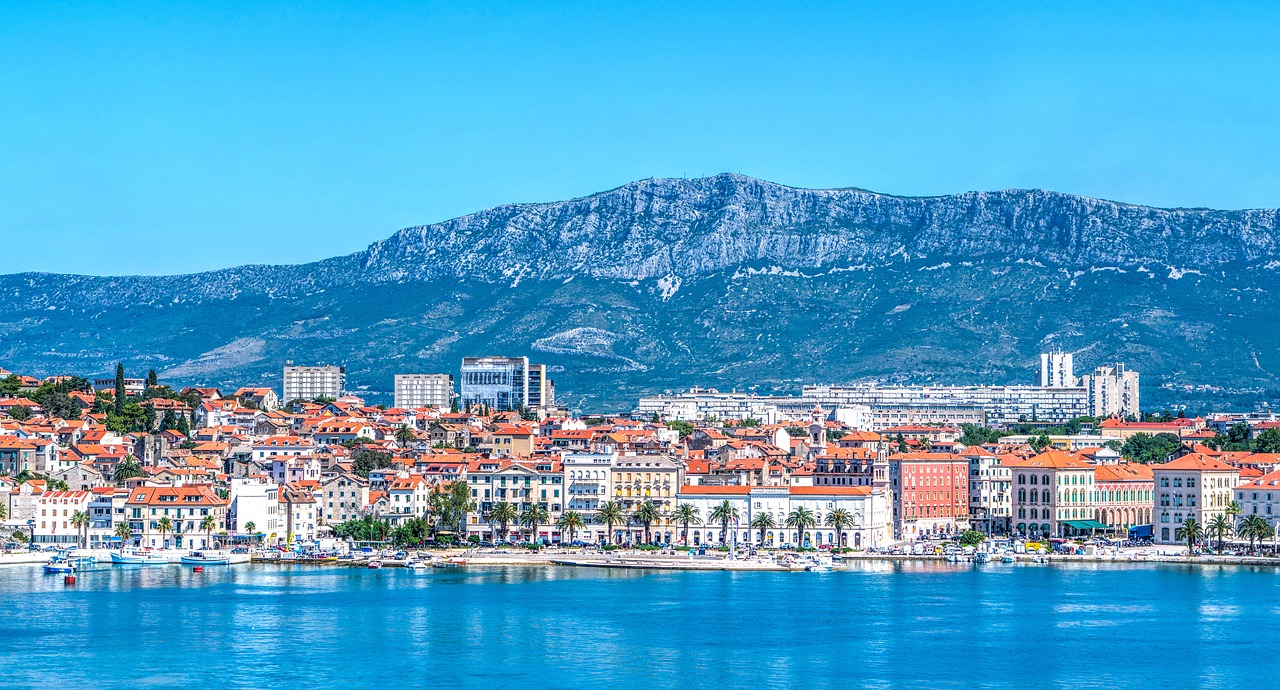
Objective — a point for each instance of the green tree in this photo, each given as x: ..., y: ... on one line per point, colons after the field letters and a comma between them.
x: 684, y: 428
x: 405, y: 436
x: 1191, y: 532
x: 120, y: 398
x: 10, y: 385
x: 840, y: 519
x: 504, y: 514
x: 1267, y: 442
x: 152, y: 379
x: 570, y: 522
x: 684, y: 515
x: 1148, y: 450
x: 1040, y: 442
x: 1220, y: 527
x: 164, y: 525
x: 124, y: 532
x: 1252, y: 528
x: 763, y: 522
x: 208, y: 524
x: 724, y: 513
x: 645, y: 515
x: 80, y: 520
x: 128, y: 468
x: 251, y: 528
x: 19, y: 413
x: 610, y: 513
x: 902, y: 443
x: 364, y: 460
x: 1232, y: 510
x: 801, y: 519
x: 972, y: 537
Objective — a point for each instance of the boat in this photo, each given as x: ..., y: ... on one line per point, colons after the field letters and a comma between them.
x: 416, y: 566
x: 206, y: 558
x: 59, y: 566
x: 136, y: 555
x: 980, y: 557
x: 1006, y: 558
x: 374, y: 565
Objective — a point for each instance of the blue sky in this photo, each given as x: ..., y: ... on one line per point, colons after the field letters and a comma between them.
x: 165, y: 137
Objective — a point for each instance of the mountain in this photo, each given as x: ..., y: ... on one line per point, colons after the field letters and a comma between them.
x: 725, y: 281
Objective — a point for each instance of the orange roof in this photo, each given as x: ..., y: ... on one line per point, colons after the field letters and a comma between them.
x: 1055, y: 459
x: 1197, y: 462
x: 1123, y: 472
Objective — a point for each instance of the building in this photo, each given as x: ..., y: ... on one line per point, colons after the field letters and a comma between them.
x: 1261, y: 496
x: 1124, y: 494
x: 309, y: 383
x: 423, y: 390
x: 871, y: 525
x: 1113, y: 391
x: 930, y: 494
x: 498, y: 383
x: 587, y: 478
x: 1194, y: 485
x: 1002, y: 405
x: 344, y: 496
x: 256, y: 501
x: 542, y: 390
x: 1056, y: 370
x: 298, y: 506
x: 990, y: 483
x: 131, y: 386
x: 53, y: 517
x: 185, y: 508
x: 1053, y: 496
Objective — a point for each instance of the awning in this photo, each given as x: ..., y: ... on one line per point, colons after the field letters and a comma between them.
x: 1084, y: 524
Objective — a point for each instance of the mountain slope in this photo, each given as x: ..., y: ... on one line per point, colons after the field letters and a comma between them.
x: 725, y: 281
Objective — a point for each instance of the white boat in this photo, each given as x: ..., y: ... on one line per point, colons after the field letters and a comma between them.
x: 374, y: 565
x: 137, y: 555
x: 206, y: 558
x: 416, y: 566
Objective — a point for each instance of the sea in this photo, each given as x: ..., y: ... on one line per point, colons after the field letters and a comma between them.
x: 876, y: 625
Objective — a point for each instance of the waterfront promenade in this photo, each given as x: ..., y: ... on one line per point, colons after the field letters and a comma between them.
x: 878, y: 624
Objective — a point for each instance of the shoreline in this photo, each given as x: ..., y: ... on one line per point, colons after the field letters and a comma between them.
x: 644, y: 561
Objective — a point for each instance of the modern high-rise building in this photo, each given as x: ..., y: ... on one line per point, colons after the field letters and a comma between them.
x: 424, y: 390
x: 308, y: 383
x: 1113, y: 390
x: 542, y: 390
x: 1056, y: 370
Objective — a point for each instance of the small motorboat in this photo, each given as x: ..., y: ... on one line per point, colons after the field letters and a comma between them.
x: 59, y: 566
x: 1006, y: 558
x: 980, y: 557
x: 416, y: 566
x: 206, y: 558
x: 374, y: 565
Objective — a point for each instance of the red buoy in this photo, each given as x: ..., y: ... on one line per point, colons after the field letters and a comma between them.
x: 198, y: 569
x: 69, y: 580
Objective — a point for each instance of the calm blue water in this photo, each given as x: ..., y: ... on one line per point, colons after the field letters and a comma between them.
x: 922, y: 625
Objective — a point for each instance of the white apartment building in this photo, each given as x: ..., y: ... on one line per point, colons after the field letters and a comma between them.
x: 1003, y: 405
x: 1056, y: 370
x: 54, y: 510
x: 256, y: 500
x: 309, y: 382
x: 1113, y: 390
x: 990, y: 499
x: 423, y: 390
x: 1054, y: 495
x: 1193, y: 485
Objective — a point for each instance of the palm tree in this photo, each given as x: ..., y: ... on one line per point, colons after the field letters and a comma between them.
x: 251, y: 528
x: 504, y: 514
x: 533, y: 516
x: 1232, y: 510
x: 841, y: 520
x: 763, y: 522
x: 1219, y: 527
x: 208, y: 524
x: 723, y: 514
x: 801, y: 519
x: 128, y: 468
x: 1191, y: 531
x: 646, y: 514
x: 80, y: 521
x: 405, y: 435
x: 571, y: 521
x: 124, y: 532
x: 611, y: 513
x: 1252, y: 527
x: 686, y: 514
x: 164, y: 525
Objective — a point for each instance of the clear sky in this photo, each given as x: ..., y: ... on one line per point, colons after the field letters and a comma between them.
x: 166, y: 137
